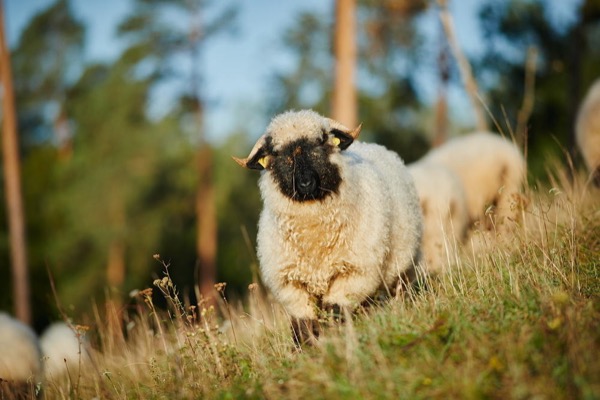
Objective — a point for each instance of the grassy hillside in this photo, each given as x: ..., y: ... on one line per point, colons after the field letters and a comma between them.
x: 518, y: 316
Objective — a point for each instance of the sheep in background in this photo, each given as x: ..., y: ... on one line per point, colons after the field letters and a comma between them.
x: 491, y: 170
x: 445, y: 215
x: 341, y: 218
x: 20, y: 358
x: 587, y: 131
x: 63, y: 350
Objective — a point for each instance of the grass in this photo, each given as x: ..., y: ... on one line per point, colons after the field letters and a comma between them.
x: 517, y: 317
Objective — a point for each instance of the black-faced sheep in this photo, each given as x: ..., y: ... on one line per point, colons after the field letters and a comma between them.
x: 20, y: 359
x: 491, y: 170
x: 445, y: 215
x: 341, y: 218
x: 587, y: 131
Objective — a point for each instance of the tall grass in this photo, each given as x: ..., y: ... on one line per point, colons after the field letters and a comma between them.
x: 516, y: 316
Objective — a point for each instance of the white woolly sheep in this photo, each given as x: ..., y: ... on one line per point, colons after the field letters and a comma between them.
x: 587, y: 131
x: 63, y: 350
x: 444, y: 208
x: 20, y: 357
x: 341, y: 218
x: 491, y: 169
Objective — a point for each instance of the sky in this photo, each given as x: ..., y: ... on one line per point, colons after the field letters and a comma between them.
x: 237, y: 66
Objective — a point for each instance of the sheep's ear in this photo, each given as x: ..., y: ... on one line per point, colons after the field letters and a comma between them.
x: 343, y: 139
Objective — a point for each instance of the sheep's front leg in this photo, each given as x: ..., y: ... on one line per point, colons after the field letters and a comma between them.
x: 299, y: 304
x: 349, y: 291
x: 305, y: 331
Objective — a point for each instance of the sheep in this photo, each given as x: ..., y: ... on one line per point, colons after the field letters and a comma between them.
x: 20, y: 358
x: 587, y: 131
x: 491, y: 170
x: 64, y: 350
x: 340, y: 219
x: 444, y: 208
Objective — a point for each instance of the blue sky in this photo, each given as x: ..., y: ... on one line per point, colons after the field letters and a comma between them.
x: 237, y: 67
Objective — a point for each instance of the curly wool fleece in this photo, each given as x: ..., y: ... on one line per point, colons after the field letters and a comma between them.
x: 342, y: 245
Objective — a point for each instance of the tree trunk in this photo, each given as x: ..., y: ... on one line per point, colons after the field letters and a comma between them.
x: 12, y: 186
x: 115, y: 270
x: 207, y: 224
x: 344, y: 102
x: 575, y: 77
x: 440, y: 134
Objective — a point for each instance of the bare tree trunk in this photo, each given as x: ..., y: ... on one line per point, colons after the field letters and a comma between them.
x: 441, y: 106
x: 62, y: 135
x: 574, y: 93
x: 207, y: 225
x: 12, y: 186
x: 344, y: 102
x: 206, y: 214
x: 115, y: 270
x: 115, y: 276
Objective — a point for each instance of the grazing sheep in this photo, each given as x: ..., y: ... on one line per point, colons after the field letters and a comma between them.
x: 20, y: 355
x: 63, y: 350
x: 491, y: 170
x: 587, y: 131
x: 444, y: 208
x: 340, y: 221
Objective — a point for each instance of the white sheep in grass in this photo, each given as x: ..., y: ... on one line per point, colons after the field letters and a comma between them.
x: 587, y: 131
x: 64, y: 350
x: 491, y: 169
x: 341, y: 218
x: 445, y: 215
x: 20, y: 358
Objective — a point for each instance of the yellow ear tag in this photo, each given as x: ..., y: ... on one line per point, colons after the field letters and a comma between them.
x: 264, y: 161
x: 336, y: 141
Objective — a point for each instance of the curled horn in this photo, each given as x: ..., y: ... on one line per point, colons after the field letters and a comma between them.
x: 244, y: 161
x: 356, y: 131
x: 241, y: 161
x: 338, y: 125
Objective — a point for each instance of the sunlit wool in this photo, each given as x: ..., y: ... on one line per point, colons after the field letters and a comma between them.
x: 587, y: 128
x: 63, y: 350
x: 358, y: 235
x: 444, y: 208
x: 490, y: 168
x: 20, y: 355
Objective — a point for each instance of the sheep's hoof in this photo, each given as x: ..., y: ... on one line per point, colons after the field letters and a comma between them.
x: 333, y: 313
x: 305, y: 331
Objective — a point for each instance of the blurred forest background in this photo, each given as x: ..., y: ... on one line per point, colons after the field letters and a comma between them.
x: 107, y: 184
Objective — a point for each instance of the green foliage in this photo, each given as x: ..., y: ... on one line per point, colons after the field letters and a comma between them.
x: 306, y: 85
x: 115, y: 175
x: 568, y: 61
x: 388, y: 53
x: 48, y: 52
x: 101, y: 196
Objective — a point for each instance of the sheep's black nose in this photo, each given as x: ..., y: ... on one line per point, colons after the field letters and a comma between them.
x: 306, y: 183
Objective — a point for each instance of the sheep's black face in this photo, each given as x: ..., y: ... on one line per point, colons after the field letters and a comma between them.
x: 302, y: 168
x: 303, y: 171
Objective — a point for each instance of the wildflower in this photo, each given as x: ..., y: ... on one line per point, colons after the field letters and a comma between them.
x: 220, y: 287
